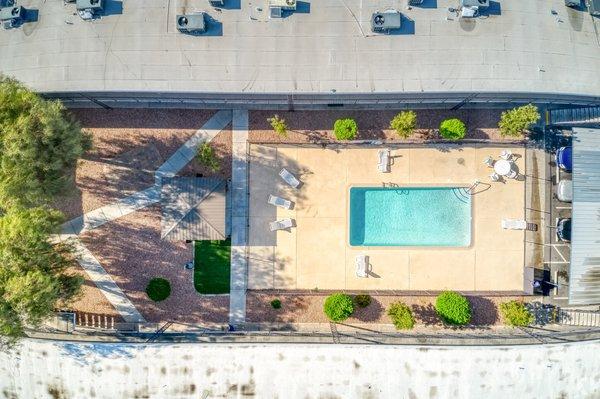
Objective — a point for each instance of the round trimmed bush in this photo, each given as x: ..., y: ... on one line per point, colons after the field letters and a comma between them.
x: 338, y: 307
x: 453, y: 308
x: 345, y: 129
x: 401, y: 316
x: 515, y: 313
x: 362, y: 300
x: 158, y: 289
x: 453, y: 129
x: 276, y: 304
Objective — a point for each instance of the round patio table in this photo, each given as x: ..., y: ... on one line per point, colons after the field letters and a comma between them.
x: 502, y: 167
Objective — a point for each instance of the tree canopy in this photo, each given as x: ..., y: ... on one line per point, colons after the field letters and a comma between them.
x: 33, y: 272
x: 39, y: 146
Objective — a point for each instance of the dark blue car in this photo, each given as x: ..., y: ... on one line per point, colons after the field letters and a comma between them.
x: 564, y: 158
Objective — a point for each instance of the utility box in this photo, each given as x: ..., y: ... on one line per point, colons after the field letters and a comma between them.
x: 93, y: 6
x: 192, y: 23
x: 386, y: 20
x: 594, y: 7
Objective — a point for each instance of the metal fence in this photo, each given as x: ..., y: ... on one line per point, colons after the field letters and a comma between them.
x: 307, y: 101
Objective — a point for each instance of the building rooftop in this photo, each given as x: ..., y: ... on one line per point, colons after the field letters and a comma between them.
x: 321, y: 47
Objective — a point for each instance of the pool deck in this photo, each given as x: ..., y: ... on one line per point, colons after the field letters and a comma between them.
x: 316, y: 253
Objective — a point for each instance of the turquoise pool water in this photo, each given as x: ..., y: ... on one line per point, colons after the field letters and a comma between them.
x: 410, y: 216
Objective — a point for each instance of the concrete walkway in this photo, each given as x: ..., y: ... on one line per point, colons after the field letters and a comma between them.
x: 239, y: 218
x: 98, y: 217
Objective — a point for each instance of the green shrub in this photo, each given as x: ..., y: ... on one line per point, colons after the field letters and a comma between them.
x: 453, y: 308
x: 338, y: 307
x: 515, y: 121
x: 345, y: 129
x: 515, y: 313
x: 404, y: 123
x: 278, y: 124
x: 401, y: 316
x: 453, y: 129
x: 276, y: 304
x: 208, y: 158
x: 362, y: 300
x: 158, y: 289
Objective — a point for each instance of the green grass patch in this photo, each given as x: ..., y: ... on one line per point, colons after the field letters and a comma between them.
x: 212, y: 266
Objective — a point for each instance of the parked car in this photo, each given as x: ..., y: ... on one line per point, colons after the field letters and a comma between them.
x: 564, y: 158
x: 564, y: 190
x: 563, y: 229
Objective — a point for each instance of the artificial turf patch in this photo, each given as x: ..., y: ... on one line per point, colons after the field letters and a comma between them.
x: 212, y: 266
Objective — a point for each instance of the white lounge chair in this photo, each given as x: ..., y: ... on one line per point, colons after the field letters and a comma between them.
x: 280, y: 202
x: 489, y: 161
x: 514, y: 224
x: 289, y: 178
x: 281, y: 224
x: 495, y: 176
x: 507, y: 155
x: 384, y: 161
x: 362, y: 265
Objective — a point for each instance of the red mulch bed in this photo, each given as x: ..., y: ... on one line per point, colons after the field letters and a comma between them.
x: 315, y: 126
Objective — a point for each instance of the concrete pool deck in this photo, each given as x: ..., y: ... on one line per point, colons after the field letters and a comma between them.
x: 316, y: 253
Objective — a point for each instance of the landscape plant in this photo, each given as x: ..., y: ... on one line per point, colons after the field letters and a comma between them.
x: 345, y: 129
x: 207, y: 157
x: 514, y: 122
x: 401, y: 316
x: 362, y: 300
x: 276, y: 304
x: 404, y: 123
x: 34, y: 276
x: 453, y: 308
x: 39, y: 146
x: 453, y: 129
x: 158, y: 289
x: 279, y: 125
x: 515, y: 313
x: 338, y: 307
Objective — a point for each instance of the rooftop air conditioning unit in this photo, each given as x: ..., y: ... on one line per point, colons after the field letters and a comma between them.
x: 471, y: 8
x: 89, y: 5
x: 12, y: 13
x: 192, y: 23
x: 386, y: 21
x: 594, y: 7
x: 217, y: 3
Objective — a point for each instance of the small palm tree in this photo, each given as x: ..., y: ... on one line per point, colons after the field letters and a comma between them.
x: 207, y: 157
x: 278, y: 124
x: 404, y: 123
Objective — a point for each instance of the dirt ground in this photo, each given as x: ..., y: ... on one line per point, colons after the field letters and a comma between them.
x: 316, y: 126
x: 309, y: 309
x: 128, y: 145
x: 131, y: 250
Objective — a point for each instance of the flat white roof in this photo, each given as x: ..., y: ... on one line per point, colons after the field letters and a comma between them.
x: 291, y: 371
x: 325, y: 45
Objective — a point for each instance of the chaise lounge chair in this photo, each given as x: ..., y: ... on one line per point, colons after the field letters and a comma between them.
x: 515, y: 224
x: 281, y: 224
x: 280, y: 202
x: 289, y: 178
x: 384, y: 161
x: 362, y: 265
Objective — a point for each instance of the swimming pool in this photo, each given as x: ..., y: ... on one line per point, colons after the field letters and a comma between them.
x: 410, y: 216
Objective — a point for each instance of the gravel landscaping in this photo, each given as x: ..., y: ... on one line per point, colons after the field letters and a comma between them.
x: 316, y: 126
x: 309, y: 309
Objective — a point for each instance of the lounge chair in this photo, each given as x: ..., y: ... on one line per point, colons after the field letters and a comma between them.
x: 281, y: 224
x: 280, y: 202
x: 489, y: 161
x: 513, y: 174
x: 289, y: 178
x: 362, y: 264
x: 506, y: 155
x: 514, y: 224
x: 495, y: 176
x: 384, y: 161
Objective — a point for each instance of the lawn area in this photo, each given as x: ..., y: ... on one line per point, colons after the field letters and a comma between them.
x: 211, y: 267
